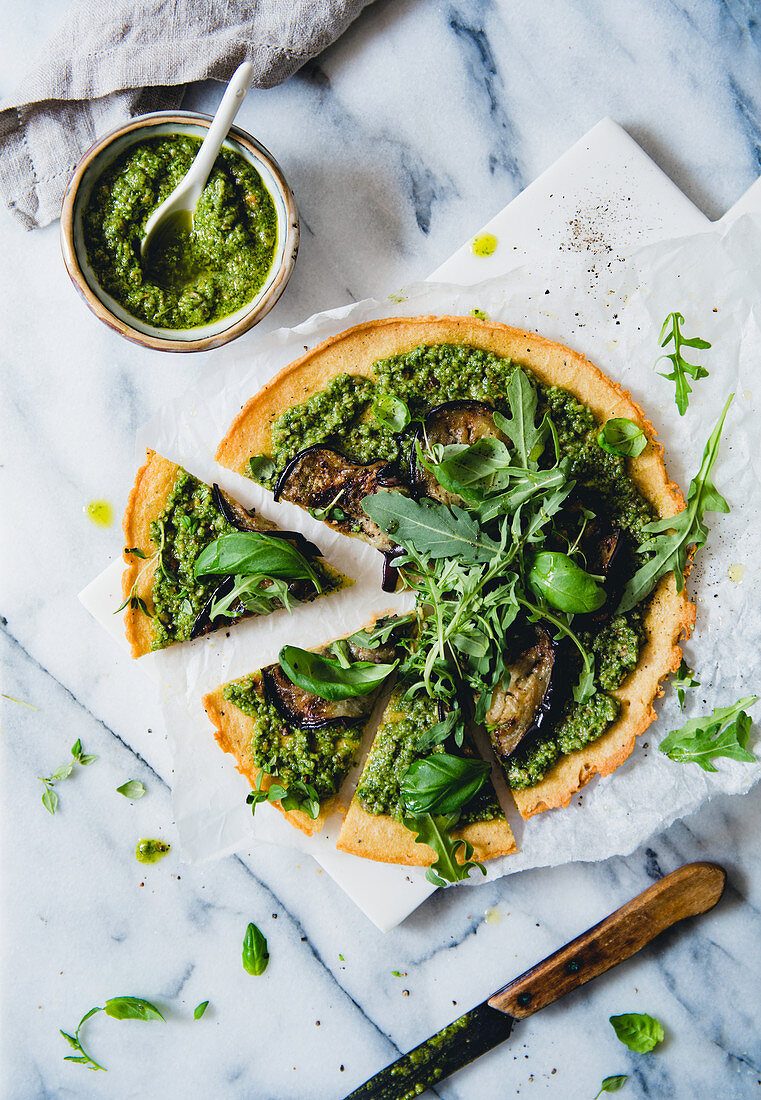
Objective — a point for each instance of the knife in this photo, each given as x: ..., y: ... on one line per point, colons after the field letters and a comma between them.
x: 686, y: 892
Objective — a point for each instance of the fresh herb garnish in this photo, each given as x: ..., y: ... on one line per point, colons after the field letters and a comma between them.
x: 328, y: 677
x: 253, y: 553
x: 669, y: 540
x: 621, y: 436
x: 428, y: 528
x: 435, y: 831
x: 255, y: 955
x: 296, y: 796
x: 638, y: 1031
x: 261, y: 467
x: 254, y: 593
x: 442, y: 783
x: 118, y: 1008
x: 612, y: 1084
x: 564, y: 584
x: 684, y: 678
x: 199, y: 1010
x: 381, y: 632
x: 137, y: 603
x: 391, y: 412
x: 671, y: 332
x: 50, y: 798
x: 725, y: 732
x: 132, y: 789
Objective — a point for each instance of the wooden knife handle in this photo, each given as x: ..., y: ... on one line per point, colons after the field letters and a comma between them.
x: 686, y: 892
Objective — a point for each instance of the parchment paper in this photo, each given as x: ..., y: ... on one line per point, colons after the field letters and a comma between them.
x: 612, y: 312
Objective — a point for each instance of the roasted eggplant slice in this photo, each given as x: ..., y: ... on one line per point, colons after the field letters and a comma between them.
x: 244, y: 520
x: 299, y: 708
x: 319, y: 477
x: 521, y: 706
x: 453, y: 422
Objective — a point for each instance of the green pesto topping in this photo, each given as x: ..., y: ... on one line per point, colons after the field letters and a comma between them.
x: 189, y: 522
x: 320, y: 757
x: 616, y: 649
x: 393, y: 751
x: 197, y: 277
x: 586, y: 722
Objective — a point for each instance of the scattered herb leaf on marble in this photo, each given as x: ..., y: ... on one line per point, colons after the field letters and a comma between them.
x: 255, y: 955
x: 132, y: 789
x: 118, y: 1008
x: 199, y: 1010
x: 50, y: 798
x: 671, y: 332
x: 669, y: 540
x: 621, y: 436
x: 638, y: 1031
x: 684, y: 678
x: 612, y: 1084
x: 725, y: 732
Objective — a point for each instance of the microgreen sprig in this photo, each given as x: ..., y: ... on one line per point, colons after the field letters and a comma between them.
x: 78, y: 756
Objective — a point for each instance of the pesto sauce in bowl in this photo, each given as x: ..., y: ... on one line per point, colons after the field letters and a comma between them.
x: 203, y: 276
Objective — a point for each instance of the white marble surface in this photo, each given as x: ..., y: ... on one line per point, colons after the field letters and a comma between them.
x: 399, y: 143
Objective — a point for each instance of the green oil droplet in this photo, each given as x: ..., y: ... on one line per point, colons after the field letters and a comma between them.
x: 150, y: 851
x: 100, y: 512
x: 484, y: 245
x: 479, y: 313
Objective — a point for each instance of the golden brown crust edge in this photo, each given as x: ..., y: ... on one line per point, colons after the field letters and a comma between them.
x: 671, y: 615
x: 381, y: 838
x: 232, y: 731
x: 153, y: 486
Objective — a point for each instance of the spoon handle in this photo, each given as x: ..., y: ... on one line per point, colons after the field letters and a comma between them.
x: 221, y: 123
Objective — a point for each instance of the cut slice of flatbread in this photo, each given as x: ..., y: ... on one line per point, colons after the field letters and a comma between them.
x: 147, y: 503
x: 235, y: 729
x: 381, y: 836
x: 670, y: 615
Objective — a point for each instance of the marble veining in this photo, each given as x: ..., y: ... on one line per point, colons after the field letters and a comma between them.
x: 400, y: 142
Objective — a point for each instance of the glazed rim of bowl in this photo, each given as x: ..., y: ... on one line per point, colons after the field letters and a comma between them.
x: 91, y: 167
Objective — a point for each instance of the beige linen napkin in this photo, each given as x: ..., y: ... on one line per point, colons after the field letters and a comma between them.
x: 110, y: 60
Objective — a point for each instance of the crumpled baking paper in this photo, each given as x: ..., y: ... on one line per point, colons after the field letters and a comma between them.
x: 612, y: 312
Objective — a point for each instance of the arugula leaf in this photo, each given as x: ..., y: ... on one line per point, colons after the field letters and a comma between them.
x: 380, y: 632
x: 256, y: 593
x: 327, y: 677
x: 725, y: 732
x: 442, y: 783
x: 684, y: 678
x: 133, y: 789
x: 254, y: 553
x: 638, y: 1031
x: 612, y: 1084
x: 468, y: 470
x: 429, y: 528
x: 296, y: 796
x: 391, y: 412
x: 453, y: 725
x: 671, y: 332
x: 564, y: 584
x: 255, y: 955
x: 435, y: 832
x: 520, y: 428
x: 199, y: 1010
x: 670, y: 539
x: 621, y: 436
x: 119, y: 1008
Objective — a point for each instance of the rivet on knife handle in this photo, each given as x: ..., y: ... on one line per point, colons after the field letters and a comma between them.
x: 692, y: 889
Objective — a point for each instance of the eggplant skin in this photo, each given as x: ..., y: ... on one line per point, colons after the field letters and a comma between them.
x: 452, y: 422
x: 306, y: 711
x: 521, y: 705
x: 319, y: 476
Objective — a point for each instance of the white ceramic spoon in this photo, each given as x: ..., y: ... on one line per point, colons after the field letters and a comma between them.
x: 180, y: 205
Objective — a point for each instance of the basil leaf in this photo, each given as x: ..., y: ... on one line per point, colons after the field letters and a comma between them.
x: 435, y: 832
x: 261, y: 468
x: 430, y: 529
x: 50, y: 800
x: 622, y: 437
x: 131, y: 1008
x: 671, y: 331
x: 670, y: 539
x: 638, y: 1031
x: 252, y: 552
x: 391, y: 412
x: 296, y: 796
x: 564, y: 584
x: 200, y: 1009
x: 527, y: 437
x: 255, y: 954
x: 76, y: 749
x: 451, y: 726
x: 380, y: 633
x: 63, y: 773
x: 133, y: 789
x: 612, y: 1084
x: 723, y: 733
x: 442, y: 783
x: 325, y: 676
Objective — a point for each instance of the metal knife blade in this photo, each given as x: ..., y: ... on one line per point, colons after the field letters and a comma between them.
x: 448, y: 1050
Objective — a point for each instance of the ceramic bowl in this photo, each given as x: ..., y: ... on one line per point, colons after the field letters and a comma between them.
x: 98, y: 158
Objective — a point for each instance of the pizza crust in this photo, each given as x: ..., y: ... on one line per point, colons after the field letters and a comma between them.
x: 384, y: 839
x: 671, y: 615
